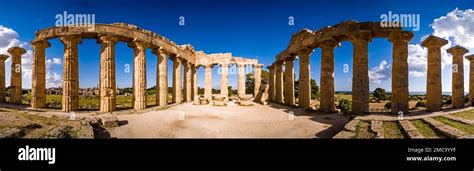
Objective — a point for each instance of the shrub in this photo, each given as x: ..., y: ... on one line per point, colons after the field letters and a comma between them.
x: 345, y: 105
x: 421, y: 103
x: 388, y: 105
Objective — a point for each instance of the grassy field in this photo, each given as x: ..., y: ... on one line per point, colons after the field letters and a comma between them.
x: 392, y: 130
x: 426, y: 130
x: 466, y: 114
x: 461, y: 126
x: 363, y: 130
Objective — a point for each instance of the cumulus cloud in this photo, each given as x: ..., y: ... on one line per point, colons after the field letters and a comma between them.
x: 382, y: 72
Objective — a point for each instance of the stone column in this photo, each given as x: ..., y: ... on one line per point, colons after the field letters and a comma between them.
x: 304, y: 89
x: 187, y: 81
x: 458, y: 75
x: 208, y: 81
x: 271, y: 82
x: 139, y: 74
x: 471, y: 79
x: 400, y: 95
x: 360, y: 76
x: 241, y: 79
x: 161, y: 77
x: 225, y: 80
x: 434, y: 99
x: 278, y: 83
x: 289, y: 82
x: 2, y: 78
x: 70, y: 100
x: 107, y: 73
x: 258, y: 79
x: 195, y: 82
x: 177, y: 80
x: 327, y: 75
x: 15, y: 77
x: 38, y: 86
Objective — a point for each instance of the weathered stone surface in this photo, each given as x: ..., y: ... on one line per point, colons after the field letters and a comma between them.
x: 327, y: 75
x: 352, y: 125
x: 139, y: 74
x: 471, y: 79
x: 258, y: 78
x: 219, y: 100
x: 12, y: 133
x: 400, y: 94
x: 245, y: 100
x: 304, y: 94
x: 433, y: 85
x: 445, y: 129
x: 344, y: 135
x: 459, y: 119
x: 410, y: 129
x: 161, y: 77
x: 208, y: 81
x: 109, y: 121
x: 15, y: 76
x: 107, y: 73
x: 61, y: 132
x: 2, y: 78
x: 376, y: 126
x: 458, y: 75
x: 278, y: 83
x: 38, y: 89
x: 70, y: 99
x: 360, y: 76
x: 289, y: 85
x: 271, y: 83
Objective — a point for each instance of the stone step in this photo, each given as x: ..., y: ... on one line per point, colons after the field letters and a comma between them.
x: 352, y: 125
x: 410, y: 129
x: 445, y: 129
x: 376, y: 126
x: 459, y: 119
x: 344, y: 135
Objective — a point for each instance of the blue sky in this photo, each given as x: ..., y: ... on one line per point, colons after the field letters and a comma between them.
x: 252, y: 29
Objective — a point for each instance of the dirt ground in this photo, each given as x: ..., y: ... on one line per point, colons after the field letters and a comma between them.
x: 233, y: 121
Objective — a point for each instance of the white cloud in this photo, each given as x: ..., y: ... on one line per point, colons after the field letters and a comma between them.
x: 382, y: 72
x: 417, y: 60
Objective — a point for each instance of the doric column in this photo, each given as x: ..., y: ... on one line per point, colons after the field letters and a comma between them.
x: 208, y: 81
x: 327, y: 75
x: 139, y: 74
x: 225, y: 80
x: 434, y: 99
x: 38, y: 82
x: 289, y: 81
x: 258, y: 79
x: 2, y: 78
x: 278, y: 83
x: 70, y: 100
x: 161, y: 77
x: 360, y: 76
x: 471, y: 79
x: 195, y: 83
x: 458, y: 75
x: 400, y: 95
x: 304, y: 85
x: 177, y: 81
x: 271, y: 82
x: 187, y: 81
x: 241, y: 79
x: 108, y: 84
x: 15, y: 77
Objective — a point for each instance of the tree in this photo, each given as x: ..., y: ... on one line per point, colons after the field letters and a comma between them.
x: 380, y: 94
x: 345, y: 106
x: 250, y: 81
x: 314, y: 89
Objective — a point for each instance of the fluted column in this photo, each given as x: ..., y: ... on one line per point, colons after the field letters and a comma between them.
x: 187, y: 81
x: 304, y: 85
x: 271, y: 83
x: 458, y: 75
x: 400, y: 95
x: 241, y: 79
x: 139, y: 74
x: 289, y: 85
x: 258, y: 79
x: 471, y: 79
x: 195, y: 82
x: 70, y: 100
x: 434, y: 98
x: 177, y: 80
x: 327, y: 75
x: 2, y: 78
x: 208, y: 81
x: 15, y: 77
x: 107, y: 73
x: 38, y: 87
x: 161, y: 77
x: 225, y: 80
x: 360, y: 76
x: 278, y: 82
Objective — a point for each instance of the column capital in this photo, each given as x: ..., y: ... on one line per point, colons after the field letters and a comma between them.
x: 107, y: 39
x: 457, y: 50
x: 470, y: 58
x: 40, y: 43
x: 16, y: 51
x: 159, y: 51
x: 305, y: 51
x: 396, y: 36
x: 329, y: 43
x: 241, y: 65
x: 138, y: 44
x: 3, y: 57
x: 71, y: 38
x: 433, y: 41
x: 207, y: 66
x: 361, y: 36
x: 258, y: 66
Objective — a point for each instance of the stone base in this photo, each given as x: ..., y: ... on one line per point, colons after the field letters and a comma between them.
x: 245, y: 100
x: 219, y: 100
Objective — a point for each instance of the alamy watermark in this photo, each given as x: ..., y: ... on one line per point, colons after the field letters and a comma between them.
x: 400, y: 20
x: 75, y: 20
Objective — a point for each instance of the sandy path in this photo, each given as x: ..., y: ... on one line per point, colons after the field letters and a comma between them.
x: 233, y: 121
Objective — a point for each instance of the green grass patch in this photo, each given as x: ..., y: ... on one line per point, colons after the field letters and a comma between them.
x: 363, y: 131
x: 469, y: 114
x: 461, y: 126
x: 426, y: 130
x: 393, y: 130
